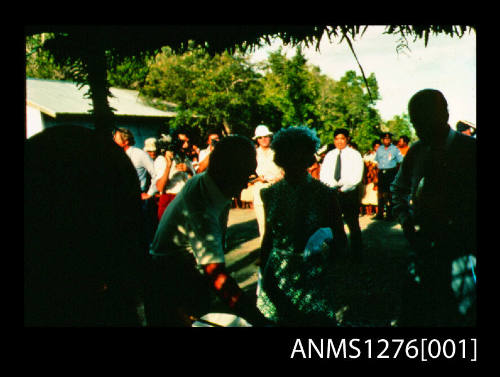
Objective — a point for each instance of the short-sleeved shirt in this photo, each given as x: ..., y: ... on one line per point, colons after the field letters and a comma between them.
x: 176, y: 179
x: 143, y: 165
x: 194, y: 223
x: 388, y: 158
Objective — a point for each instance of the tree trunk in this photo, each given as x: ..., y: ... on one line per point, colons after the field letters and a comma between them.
x: 104, y: 121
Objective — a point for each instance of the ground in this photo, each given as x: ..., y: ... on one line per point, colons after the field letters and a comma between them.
x: 369, y: 292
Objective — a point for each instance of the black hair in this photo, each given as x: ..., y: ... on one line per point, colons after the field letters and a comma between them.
x: 343, y: 131
x: 294, y: 148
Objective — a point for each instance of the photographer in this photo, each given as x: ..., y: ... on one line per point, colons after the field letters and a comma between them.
x: 212, y: 139
x: 173, y: 168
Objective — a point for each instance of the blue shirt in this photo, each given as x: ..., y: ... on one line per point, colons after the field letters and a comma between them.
x: 388, y: 158
x: 144, y: 166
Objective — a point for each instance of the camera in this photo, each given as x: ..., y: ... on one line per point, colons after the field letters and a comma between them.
x: 168, y: 143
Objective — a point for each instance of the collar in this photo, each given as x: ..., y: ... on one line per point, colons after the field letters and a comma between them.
x: 218, y: 200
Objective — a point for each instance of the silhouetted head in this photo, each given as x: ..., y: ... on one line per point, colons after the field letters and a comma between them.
x: 294, y: 149
x: 231, y: 163
x: 81, y: 219
x: 428, y: 112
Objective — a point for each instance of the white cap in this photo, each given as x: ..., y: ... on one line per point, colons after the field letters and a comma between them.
x: 261, y: 131
x: 150, y: 145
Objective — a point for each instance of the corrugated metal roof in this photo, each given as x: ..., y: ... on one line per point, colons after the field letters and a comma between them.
x: 63, y: 97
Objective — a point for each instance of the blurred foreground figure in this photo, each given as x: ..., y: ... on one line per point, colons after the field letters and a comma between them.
x: 434, y: 195
x: 82, y: 219
x: 188, y: 263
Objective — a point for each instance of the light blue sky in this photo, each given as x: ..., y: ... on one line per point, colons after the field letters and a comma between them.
x: 447, y: 64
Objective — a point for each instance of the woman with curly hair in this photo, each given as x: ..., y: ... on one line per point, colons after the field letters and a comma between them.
x: 298, y: 210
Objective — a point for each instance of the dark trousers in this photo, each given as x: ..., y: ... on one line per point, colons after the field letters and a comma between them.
x: 385, y: 178
x: 150, y: 222
x: 349, y: 203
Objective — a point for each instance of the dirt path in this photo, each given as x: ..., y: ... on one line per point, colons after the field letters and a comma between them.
x: 370, y: 291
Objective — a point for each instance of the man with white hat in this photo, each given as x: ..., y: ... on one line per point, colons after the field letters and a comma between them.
x: 150, y: 147
x: 267, y: 171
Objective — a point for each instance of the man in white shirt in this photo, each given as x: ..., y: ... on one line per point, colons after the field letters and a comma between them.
x: 147, y: 178
x: 140, y: 159
x: 188, y: 263
x: 342, y: 169
x: 267, y: 172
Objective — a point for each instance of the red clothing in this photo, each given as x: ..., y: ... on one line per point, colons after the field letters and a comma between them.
x: 403, y: 150
x: 163, y: 203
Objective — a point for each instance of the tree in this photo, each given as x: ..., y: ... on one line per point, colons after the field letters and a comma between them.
x: 130, y: 72
x: 40, y: 63
x: 347, y: 104
x: 87, y: 46
x: 221, y: 90
x: 400, y: 125
x: 291, y: 92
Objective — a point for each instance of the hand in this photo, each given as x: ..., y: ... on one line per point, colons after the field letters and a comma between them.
x: 145, y: 196
x: 182, y: 167
x: 169, y: 156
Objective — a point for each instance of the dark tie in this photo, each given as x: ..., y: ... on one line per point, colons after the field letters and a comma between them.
x: 337, y: 168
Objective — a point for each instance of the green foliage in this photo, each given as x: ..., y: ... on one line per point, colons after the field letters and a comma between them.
x: 400, y: 125
x: 291, y: 92
x: 129, y: 72
x: 227, y: 91
x: 222, y: 90
x: 346, y: 104
x: 41, y: 64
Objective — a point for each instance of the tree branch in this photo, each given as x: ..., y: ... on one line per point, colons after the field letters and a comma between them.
x: 344, y: 35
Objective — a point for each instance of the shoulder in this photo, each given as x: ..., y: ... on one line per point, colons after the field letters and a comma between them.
x: 159, y: 162
x: 414, y: 152
x: 394, y: 148
x: 354, y: 152
x: 464, y: 141
x: 329, y: 155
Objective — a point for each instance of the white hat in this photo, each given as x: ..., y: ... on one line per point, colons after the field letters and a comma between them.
x: 261, y: 131
x: 150, y: 145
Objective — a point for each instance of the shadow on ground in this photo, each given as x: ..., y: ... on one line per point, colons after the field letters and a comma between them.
x: 367, y: 293
x: 240, y: 233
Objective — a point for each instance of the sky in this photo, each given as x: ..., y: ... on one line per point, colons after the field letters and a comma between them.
x: 447, y: 64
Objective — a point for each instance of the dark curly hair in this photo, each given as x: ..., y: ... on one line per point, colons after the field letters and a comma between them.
x: 294, y: 148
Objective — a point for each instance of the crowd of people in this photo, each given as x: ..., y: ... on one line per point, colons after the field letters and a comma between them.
x: 162, y: 227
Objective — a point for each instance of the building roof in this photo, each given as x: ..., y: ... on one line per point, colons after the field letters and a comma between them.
x: 63, y: 97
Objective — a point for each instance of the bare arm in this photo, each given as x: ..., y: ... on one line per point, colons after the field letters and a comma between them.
x: 163, y: 180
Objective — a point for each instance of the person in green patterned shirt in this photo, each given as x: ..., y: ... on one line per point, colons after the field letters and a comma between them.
x: 294, y: 291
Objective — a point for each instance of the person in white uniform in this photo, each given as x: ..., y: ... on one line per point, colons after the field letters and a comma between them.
x: 267, y: 172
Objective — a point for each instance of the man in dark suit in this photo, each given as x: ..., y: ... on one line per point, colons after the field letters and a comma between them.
x: 434, y: 195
